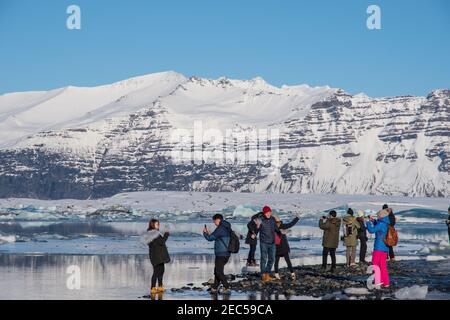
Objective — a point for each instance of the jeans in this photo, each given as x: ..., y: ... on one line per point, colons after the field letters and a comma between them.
x: 363, y: 250
x: 332, y: 252
x: 158, y: 273
x: 379, y: 259
x: 267, y: 256
x: 219, y: 274
x: 251, y: 254
x: 288, y: 262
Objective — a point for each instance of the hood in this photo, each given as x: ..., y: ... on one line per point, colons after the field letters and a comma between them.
x: 226, y: 225
x: 348, y: 219
x: 149, y: 236
x: 335, y: 220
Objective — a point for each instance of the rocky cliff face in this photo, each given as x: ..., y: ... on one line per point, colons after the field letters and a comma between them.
x: 119, y: 138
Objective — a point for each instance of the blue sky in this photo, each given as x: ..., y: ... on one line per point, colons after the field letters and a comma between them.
x: 285, y: 42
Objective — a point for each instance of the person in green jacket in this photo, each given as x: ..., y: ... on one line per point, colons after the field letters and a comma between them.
x: 350, y: 226
x: 330, y: 226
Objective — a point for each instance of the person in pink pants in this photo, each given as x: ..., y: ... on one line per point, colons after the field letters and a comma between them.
x: 380, y: 251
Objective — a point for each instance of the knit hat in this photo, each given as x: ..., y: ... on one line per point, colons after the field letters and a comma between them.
x: 350, y: 211
x: 266, y: 209
x: 360, y: 213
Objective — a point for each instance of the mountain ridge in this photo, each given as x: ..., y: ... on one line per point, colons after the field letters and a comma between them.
x: 99, y: 141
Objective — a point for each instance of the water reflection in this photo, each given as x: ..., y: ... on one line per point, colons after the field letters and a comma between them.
x: 102, y: 276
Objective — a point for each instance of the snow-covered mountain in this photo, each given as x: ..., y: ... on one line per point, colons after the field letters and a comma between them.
x: 94, y: 142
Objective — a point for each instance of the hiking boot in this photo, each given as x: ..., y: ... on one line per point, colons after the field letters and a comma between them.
x: 153, y: 291
x: 353, y: 265
x: 269, y: 278
x: 266, y: 277
x: 213, y: 290
x: 293, y: 276
x: 161, y: 290
x: 277, y: 276
x: 226, y: 291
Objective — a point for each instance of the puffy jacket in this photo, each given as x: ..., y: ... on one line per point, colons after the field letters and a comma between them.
x: 351, y: 222
x: 221, y: 237
x: 267, y: 230
x: 380, y: 229
x: 330, y: 232
x: 157, y: 248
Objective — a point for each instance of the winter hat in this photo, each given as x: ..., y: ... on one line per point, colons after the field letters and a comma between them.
x: 350, y: 211
x: 382, y: 213
x: 267, y: 209
x: 360, y: 213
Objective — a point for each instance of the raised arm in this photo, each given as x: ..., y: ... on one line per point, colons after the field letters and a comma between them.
x: 290, y: 224
x: 324, y: 225
x: 373, y: 228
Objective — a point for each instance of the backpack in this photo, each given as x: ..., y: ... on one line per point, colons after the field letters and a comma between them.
x: 234, y: 244
x: 348, y: 230
x: 391, y: 239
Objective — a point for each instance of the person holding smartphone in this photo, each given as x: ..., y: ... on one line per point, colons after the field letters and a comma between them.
x: 221, y: 237
x: 330, y: 226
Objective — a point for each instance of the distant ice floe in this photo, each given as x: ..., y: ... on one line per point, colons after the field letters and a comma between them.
x: 7, y: 239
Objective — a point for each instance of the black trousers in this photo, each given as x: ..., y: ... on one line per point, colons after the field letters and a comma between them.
x: 288, y: 262
x: 332, y: 252
x: 391, y: 253
x: 362, y: 250
x: 251, y: 253
x: 219, y: 275
x: 158, y: 273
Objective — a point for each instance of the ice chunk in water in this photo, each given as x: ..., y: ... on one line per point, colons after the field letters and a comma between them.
x: 412, y: 293
x: 245, y: 210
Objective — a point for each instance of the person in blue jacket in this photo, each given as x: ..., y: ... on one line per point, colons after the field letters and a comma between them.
x: 380, y: 251
x: 221, y: 237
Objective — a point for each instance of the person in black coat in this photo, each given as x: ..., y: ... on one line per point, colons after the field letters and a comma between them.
x: 362, y: 236
x: 252, y: 240
x: 283, y: 249
x: 159, y: 255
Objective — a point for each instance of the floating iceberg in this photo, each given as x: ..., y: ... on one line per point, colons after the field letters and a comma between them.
x: 412, y: 293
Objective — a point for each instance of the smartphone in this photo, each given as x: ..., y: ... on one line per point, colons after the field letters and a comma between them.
x: 205, y: 226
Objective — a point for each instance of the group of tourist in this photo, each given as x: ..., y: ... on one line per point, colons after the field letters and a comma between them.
x: 274, y: 244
